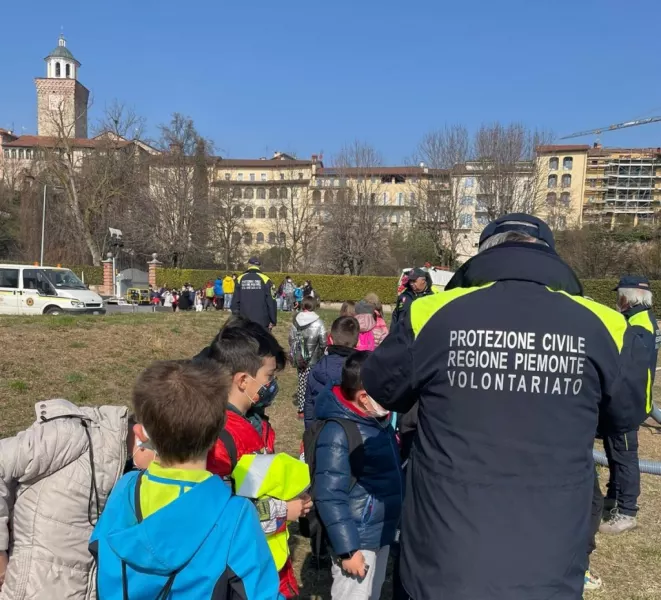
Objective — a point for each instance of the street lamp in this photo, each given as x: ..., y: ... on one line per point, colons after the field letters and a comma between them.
x: 43, y: 217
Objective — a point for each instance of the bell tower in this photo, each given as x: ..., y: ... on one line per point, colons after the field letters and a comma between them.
x: 61, y: 98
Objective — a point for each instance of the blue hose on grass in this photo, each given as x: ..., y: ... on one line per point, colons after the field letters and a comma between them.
x: 650, y: 467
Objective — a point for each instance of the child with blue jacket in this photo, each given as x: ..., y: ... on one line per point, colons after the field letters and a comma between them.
x: 360, y: 520
x: 176, y: 530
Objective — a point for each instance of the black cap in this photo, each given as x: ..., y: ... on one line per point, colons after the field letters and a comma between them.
x: 522, y: 222
x: 254, y: 261
x: 416, y: 274
x: 633, y: 282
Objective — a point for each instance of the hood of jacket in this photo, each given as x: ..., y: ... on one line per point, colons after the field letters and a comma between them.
x: 331, y: 404
x: 518, y: 262
x: 155, y: 546
x: 305, y: 319
x: 108, y: 417
x: 227, y: 279
x: 366, y: 322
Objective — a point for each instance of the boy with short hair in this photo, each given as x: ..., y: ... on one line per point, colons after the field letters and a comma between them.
x: 175, y: 530
x: 253, y: 356
x: 360, y: 511
x: 341, y: 343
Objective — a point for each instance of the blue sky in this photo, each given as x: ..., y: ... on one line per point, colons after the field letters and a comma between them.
x: 307, y: 77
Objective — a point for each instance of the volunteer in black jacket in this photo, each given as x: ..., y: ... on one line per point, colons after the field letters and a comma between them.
x: 513, y: 370
x: 254, y: 296
x: 419, y: 285
x: 634, y: 301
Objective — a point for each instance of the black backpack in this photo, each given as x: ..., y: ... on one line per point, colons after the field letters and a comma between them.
x: 311, y: 526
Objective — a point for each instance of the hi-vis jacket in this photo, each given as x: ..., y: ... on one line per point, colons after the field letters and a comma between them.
x: 513, y: 370
x: 642, y: 317
x: 254, y: 298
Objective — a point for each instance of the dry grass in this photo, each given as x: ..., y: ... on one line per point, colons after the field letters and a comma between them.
x: 95, y: 361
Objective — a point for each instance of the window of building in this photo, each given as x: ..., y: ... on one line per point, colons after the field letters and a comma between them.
x: 386, y: 198
x: 249, y: 194
x: 247, y: 238
x: 236, y: 192
x: 271, y: 237
x: 67, y: 71
x: 283, y: 193
x: 236, y: 237
x: 252, y: 177
x: 567, y: 163
x: 465, y: 221
x: 282, y: 213
x: 21, y: 153
x: 467, y: 201
x: 273, y: 213
x: 553, y: 163
x: 237, y: 212
x: 553, y: 181
x: 316, y: 196
x: 551, y: 198
x: 564, y: 198
x: 566, y: 181
x: 470, y: 182
x: 282, y: 237
x: 13, y: 152
x: 239, y: 176
x: 58, y: 72
x: 261, y: 194
x: 263, y: 176
x: 400, y: 198
x: 328, y: 196
x: 273, y: 193
x: 300, y: 175
x: 320, y: 182
x: 260, y: 213
x: 260, y: 238
x: 228, y: 176
x: 593, y: 183
x: 282, y: 175
x: 482, y: 220
x: 412, y: 197
x: 6, y: 153
x: 248, y: 212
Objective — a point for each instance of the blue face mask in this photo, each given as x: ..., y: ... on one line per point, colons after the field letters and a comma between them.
x: 266, y: 394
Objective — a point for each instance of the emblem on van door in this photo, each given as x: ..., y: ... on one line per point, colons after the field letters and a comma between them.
x: 29, y: 301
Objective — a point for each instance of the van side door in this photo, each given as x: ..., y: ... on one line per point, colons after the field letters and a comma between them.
x: 35, y: 289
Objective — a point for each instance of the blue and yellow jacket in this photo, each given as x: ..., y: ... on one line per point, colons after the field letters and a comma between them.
x: 513, y: 370
x: 644, y: 318
x: 174, y: 533
x: 254, y: 298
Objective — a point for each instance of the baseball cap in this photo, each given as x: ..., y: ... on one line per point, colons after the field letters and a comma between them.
x: 416, y: 273
x: 522, y: 222
x: 254, y: 261
x: 635, y: 282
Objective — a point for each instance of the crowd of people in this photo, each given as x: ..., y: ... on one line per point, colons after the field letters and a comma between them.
x: 459, y: 440
x: 216, y: 295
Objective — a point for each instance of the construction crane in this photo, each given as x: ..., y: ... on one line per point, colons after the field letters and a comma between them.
x: 624, y: 125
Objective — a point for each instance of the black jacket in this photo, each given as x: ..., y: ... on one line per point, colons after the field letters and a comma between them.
x: 405, y: 299
x: 254, y: 298
x: 512, y: 372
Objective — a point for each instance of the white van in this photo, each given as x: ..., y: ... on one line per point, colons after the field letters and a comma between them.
x: 30, y: 290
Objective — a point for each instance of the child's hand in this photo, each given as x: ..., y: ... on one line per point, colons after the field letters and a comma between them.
x: 355, y: 565
x: 4, y: 561
x: 299, y: 507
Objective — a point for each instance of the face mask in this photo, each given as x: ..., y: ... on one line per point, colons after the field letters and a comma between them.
x: 147, y: 445
x: 377, y: 410
x: 266, y: 394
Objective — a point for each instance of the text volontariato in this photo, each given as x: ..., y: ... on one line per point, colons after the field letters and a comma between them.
x: 516, y: 361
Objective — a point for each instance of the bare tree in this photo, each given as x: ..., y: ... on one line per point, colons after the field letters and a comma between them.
x: 352, y: 217
x: 509, y: 178
x: 227, y: 214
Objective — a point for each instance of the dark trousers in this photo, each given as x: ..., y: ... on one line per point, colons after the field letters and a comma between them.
x: 624, y: 482
x: 595, y: 513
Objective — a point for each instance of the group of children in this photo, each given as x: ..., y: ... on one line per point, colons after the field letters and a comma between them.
x: 186, y: 497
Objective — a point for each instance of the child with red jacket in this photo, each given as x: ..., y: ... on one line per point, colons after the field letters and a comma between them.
x: 253, y: 356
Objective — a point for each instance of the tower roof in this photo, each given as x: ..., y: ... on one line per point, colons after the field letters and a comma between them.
x: 61, y: 51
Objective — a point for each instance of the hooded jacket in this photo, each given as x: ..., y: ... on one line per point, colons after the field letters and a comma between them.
x: 227, y: 286
x: 327, y: 370
x: 513, y: 371
x: 205, y: 544
x: 367, y: 516
x: 310, y: 327
x: 366, y: 336
x: 50, y: 478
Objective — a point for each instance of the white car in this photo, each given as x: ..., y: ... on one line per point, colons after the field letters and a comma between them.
x: 31, y: 290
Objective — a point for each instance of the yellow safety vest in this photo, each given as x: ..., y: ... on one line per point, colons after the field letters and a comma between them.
x: 278, y: 476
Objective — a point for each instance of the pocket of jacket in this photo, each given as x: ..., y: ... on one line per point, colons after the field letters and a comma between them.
x: 367, y: 511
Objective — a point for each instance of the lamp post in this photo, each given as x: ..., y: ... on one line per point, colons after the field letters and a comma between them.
x: 43, y: 228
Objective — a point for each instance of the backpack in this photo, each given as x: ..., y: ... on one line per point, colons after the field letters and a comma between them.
x: 311, y: 526
x: 366, y: 341
x: 300, y: 354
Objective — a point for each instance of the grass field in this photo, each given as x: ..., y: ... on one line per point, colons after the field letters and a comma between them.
x: 95, y: 360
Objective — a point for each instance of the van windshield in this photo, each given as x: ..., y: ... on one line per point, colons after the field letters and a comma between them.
x: 63, y: 279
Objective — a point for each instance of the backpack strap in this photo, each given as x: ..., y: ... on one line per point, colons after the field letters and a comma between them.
x: 228, y: 441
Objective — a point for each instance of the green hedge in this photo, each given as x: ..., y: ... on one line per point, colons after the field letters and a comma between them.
x: 331, y: 288
x: 601, y: 290
x: 93, y: 275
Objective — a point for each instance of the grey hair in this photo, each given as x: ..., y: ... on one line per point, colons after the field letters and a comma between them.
x: 634, y: 297
x: 509, y: 236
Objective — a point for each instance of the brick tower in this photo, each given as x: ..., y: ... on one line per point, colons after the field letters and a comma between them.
x: 61, y: 99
